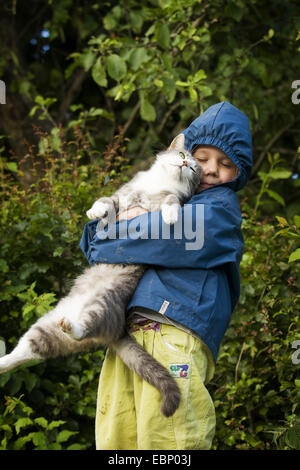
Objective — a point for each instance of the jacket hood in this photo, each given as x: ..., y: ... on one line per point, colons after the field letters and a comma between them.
x: 227, y: 128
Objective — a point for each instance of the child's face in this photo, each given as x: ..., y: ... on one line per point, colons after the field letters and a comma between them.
x: 217, y: 167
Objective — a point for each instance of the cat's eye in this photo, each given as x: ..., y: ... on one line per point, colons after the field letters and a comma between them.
x: 182, y: 154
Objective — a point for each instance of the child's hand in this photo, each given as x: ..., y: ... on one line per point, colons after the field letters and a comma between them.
x: 131, y: 213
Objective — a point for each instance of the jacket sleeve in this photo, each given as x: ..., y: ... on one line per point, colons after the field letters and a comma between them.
x: 207, y: 236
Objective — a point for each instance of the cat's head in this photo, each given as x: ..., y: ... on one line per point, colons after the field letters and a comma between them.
x: 179, y: 164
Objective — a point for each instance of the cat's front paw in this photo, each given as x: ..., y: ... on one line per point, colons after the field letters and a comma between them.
x: 170, y: 213
x: 98, y: 210
x: 74, y: 331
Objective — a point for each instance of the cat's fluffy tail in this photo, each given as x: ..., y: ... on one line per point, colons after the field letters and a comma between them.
x: 143, y: 364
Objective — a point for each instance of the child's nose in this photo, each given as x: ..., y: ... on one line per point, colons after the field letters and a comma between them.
x: 211, y: 169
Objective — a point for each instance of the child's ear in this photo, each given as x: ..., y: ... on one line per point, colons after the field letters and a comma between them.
x: 177, y: 143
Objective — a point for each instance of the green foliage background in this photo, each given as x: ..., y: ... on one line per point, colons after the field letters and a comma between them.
x: 94, y: 89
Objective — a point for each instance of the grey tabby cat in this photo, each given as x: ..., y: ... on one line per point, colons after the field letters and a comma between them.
x: 93, y: 313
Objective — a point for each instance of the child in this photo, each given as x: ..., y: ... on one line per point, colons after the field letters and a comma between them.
x: 183, y: 304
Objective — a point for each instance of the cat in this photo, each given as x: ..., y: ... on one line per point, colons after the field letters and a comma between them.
x: 93, y: 313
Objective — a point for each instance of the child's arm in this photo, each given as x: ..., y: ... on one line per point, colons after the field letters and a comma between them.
x: 222, y: 240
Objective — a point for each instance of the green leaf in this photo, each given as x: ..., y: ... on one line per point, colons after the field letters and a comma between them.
x: 158, y: 83
x: 255, y: 110
x: 19, y: 443
x: 271, y: 33
x: 27, y: 309
x: 169, y: 89
x: 200, y: 75
x: 116, y: 67
x: 279, y: 174
x: 55, y: 446
x: 150, y: 30
x: 99, y: 73
x: 39, y: 439
x: 180, y: 83
x: 162, y: 35
x: 4, y: 268
x: 193, y: 94
x: 12, y: 166
x: 109, y: 21
x: 295, y: 255
x: 282, y: 232
x: 204, y: 90
x: 136, y: 20
x: 282, y: 221
x: 163, y: 3
x: 24, y: 88
x: 22, y: 423
x: 58, y: 251
x: 263, y: 176
x: 88, y: 60
x: 55, y: 424
x: 41, y: 422
x: 292, y: 438
x: 33, y: 110
x: 94, y: 112
x: 55, y: 141
x: 76, y: 447
x: 147, y: 111
x: 63, y: 436
x: 297, y: 220
x: 138, y: 57
x: 39, y: 99
x: 43, y: 145
x: 276, y: 196
x: 30, y: 381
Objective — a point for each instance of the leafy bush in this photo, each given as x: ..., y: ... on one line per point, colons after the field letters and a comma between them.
x: 255, y: 389
x: 52, y: 404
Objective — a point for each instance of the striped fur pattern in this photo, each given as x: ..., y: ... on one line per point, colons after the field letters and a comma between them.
x: 93, y: 313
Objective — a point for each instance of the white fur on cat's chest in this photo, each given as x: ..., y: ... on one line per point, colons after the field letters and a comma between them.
x: 155, y: 183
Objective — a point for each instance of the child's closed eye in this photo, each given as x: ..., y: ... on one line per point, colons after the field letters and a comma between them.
x: 228, y: 165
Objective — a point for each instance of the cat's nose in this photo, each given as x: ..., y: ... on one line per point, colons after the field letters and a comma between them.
x: 184, y: 163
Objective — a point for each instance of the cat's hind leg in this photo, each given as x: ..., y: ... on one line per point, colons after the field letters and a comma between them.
x: 45, y: 340
x: 102, y: 312
x: 95, y: 322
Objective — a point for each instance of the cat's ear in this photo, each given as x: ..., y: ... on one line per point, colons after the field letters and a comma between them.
x: 177, y: 143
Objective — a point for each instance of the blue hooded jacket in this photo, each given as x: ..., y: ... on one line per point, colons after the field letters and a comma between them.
x: 200, y: 287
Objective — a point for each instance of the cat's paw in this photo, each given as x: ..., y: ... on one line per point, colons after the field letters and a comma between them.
x: 4, y: 364
x: 74, y: 331
x: 65, y: 325
x: 170, y: 213
x: 98, y: 210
